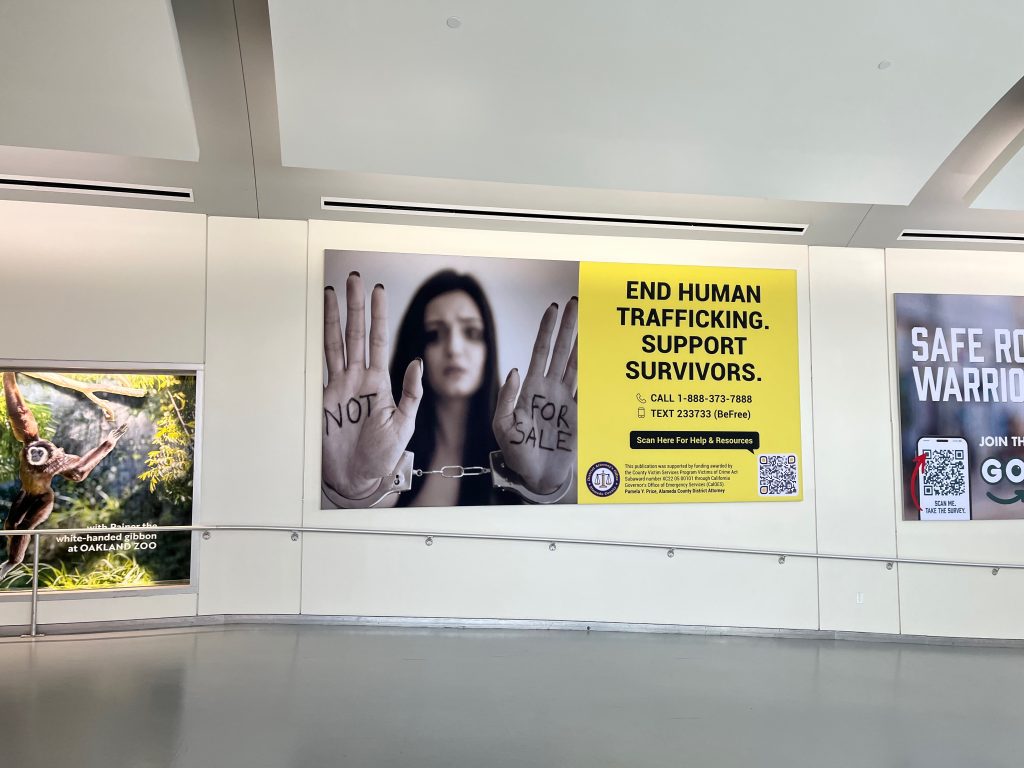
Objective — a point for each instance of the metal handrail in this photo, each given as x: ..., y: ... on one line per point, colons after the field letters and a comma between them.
x: 429, y: 537
x: 512, y: 537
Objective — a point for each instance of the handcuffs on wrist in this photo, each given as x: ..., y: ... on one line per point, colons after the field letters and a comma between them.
x: 503, y: 478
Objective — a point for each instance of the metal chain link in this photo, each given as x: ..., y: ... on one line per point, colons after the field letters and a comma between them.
x: 453, y: 471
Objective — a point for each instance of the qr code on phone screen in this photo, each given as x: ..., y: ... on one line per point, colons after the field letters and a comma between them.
x: 943, y: 472
x: 776, y: 474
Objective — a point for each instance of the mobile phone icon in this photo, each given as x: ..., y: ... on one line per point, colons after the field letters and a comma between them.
x: 944, y: 482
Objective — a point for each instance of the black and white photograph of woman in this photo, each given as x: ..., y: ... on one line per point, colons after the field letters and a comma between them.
x: 466, y: 363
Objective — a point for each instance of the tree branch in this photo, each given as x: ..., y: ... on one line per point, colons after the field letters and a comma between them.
x: 89, y: 389
x: 177, y: 412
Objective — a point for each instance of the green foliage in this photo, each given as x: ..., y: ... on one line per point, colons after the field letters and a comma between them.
x: 19, y: 578
x: 113, y: 571
x: 169, y: 463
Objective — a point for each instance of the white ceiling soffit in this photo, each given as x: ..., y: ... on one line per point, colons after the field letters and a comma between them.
x: 1005, y: 191
x: 798, y: 100
x: 101, y: 76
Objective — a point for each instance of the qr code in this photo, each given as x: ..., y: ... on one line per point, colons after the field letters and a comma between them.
x: 777, y: 475
x: 944, y: 472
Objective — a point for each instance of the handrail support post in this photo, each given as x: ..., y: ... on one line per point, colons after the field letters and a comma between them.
x: 34, y: 626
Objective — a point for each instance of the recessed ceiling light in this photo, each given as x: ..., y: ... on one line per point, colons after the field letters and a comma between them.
x: 884, y: 64
x: 453, y: 22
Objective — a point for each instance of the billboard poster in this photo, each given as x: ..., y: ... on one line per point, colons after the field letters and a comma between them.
x: 692, y: 382
x: 106, y: 451
x: 460, y: 380
x: 960, y: 361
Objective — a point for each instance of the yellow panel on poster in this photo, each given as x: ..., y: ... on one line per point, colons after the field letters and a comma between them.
x: 691, y: 384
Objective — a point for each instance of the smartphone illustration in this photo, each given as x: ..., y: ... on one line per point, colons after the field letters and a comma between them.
x: 944, y: 484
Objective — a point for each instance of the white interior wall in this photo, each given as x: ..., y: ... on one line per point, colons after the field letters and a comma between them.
x: 253, y: 414
x: 84, y: 284
x: 514, y: 580
x: 855, y: 508
x: 251, y: 314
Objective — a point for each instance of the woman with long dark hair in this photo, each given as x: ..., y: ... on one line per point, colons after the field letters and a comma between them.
x: 449, y: 324
x: 439, y: 399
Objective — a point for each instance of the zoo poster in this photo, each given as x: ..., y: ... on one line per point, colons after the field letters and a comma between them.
x: 960, y: 361
x: 105, y: 451
x: 460, y: 380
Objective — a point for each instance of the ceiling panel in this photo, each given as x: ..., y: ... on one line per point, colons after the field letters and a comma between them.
x: 103, y: 76
x: 781, y: 100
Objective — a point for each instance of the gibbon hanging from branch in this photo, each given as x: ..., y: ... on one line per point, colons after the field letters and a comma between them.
x: 41, y: 461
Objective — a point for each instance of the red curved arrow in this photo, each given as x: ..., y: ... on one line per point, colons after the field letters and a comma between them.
x: 918, y: 469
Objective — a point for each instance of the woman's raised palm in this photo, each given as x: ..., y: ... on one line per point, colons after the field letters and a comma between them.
x: 536, y: 426
x: 364, y: 430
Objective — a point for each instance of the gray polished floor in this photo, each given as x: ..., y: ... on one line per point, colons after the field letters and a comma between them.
x: 297, y: 696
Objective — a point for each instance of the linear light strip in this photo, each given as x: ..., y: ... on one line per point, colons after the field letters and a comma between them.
x: 95, y: 188
x: 965, y: 237
x: 335, y: 203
